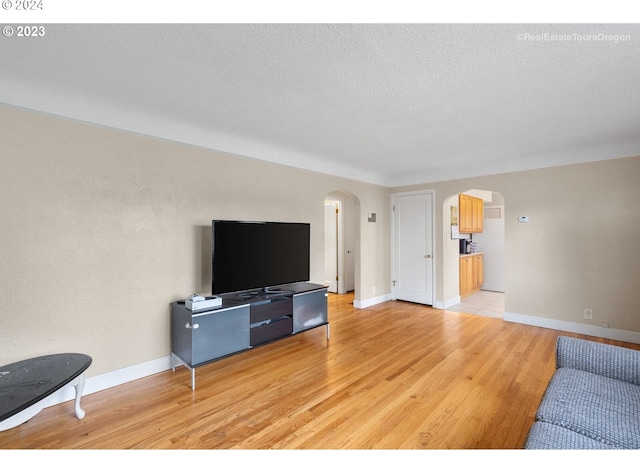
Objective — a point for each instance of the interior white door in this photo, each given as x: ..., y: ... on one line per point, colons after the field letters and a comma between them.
x: 331, y: 245
x: 413, y: 247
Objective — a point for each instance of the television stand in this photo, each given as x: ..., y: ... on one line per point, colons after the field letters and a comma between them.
x: 241, y: 323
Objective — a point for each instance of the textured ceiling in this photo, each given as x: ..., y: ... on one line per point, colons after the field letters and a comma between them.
x: 389, y: 104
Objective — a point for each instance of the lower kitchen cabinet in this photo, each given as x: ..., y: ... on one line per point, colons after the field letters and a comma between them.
x: 471, y: 274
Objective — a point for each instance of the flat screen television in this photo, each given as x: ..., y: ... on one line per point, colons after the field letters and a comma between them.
x: 258, y: 255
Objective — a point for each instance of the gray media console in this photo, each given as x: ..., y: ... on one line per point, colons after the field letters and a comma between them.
x: 244, y: 321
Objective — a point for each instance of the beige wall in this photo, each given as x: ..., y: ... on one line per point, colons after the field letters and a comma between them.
x: 580, y: 249
x: 102, y: 229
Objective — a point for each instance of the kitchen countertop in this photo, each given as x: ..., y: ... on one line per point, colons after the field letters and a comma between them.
x: 464, y: 255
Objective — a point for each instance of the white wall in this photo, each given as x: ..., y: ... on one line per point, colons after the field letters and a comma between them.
x: 102, y: 229
x: 491, y: 244
x: 448, y: 290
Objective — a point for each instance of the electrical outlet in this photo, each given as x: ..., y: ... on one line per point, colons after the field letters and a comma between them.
x: 588, y: 313
x: 373, y: 290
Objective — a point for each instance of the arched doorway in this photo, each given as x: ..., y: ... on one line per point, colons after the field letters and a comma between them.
x: 342, y: 238
x: 489, y: 299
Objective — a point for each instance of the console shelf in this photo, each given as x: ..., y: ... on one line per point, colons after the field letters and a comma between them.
x: 244, y: 321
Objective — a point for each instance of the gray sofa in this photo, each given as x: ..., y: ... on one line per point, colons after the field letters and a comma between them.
x: 593, y: 399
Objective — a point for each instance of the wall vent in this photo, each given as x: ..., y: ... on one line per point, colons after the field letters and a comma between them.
x: 493, y: 213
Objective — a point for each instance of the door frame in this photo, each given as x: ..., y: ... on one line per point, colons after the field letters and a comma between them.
x: 333, y: 244
x: 432, y: 275
x: 342, y: 244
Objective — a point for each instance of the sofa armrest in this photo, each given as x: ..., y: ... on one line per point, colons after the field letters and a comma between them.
x: 602, y: 359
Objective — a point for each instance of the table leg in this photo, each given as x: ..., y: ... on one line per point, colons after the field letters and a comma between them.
x: 78, y: 384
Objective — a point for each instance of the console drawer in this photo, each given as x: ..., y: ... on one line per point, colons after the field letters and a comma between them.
x: 271, y: 310
x: 273, y: 330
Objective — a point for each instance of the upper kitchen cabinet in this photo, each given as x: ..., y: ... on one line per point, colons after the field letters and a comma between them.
x: 478, y: 214
x: 471, y: 213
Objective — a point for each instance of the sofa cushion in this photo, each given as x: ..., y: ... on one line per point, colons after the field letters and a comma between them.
x: 595, y: 406
x: 603, y: 359
x: 547, y: 435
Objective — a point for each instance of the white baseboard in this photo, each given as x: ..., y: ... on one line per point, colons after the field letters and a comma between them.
x: 360, y: 304
x: 573, y: 327
x: 114, y: 378
x: 447, y: 303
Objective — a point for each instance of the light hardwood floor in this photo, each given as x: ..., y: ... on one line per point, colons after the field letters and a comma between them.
x: 395, y: 375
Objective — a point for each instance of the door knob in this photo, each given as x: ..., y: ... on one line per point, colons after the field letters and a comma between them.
x: 427, y: 256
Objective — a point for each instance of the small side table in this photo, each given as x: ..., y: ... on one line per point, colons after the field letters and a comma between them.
x: 26, y: 387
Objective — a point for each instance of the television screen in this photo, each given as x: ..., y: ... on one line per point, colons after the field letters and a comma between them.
x: 257, y: 255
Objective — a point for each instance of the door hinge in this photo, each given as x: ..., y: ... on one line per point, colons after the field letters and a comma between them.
x: 337, y: 278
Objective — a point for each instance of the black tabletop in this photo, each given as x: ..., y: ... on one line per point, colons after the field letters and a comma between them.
x: 25, y: 383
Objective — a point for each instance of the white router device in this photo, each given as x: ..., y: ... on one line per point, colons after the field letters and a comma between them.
x: 199, y: 303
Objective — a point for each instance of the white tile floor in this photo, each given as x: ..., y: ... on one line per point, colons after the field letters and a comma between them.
x: 483, y: 303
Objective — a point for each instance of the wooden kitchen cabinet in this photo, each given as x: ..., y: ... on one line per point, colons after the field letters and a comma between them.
x: 478, y: 214
x: 465, y: 219
x: 471, y: 214
x: 466, y: 275
x: 471, y: 274
x: 478, y: 271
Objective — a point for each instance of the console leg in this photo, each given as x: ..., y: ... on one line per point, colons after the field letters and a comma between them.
x: 328, y: 331
x: 175, y: 358
x: 79, y: 387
